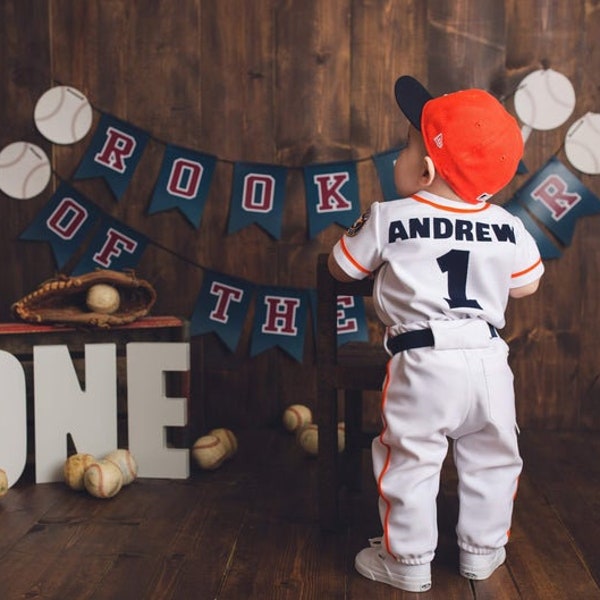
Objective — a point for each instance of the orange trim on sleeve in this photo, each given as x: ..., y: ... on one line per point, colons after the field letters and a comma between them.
x: 526, y: 270
x: 351, y: 258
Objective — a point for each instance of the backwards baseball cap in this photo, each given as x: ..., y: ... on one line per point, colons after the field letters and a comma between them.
x: 474, y: 143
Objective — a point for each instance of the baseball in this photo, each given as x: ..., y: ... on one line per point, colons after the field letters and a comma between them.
x: 103, y: 298
x: 582, y: 144
x: 228, y: 438
x: 296, y: 416
x: 103, y: 479
x: 24, y: 170
x: 126, y: 463
x: 308, y: 438
x: 74, y: 470
x: 209, y: 452
x: 3, y: 483
x: 544, y: 99
x: 63, y: 115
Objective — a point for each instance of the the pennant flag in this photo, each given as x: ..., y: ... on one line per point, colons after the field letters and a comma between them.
x: 384, y: 163
x: 558, y: 198
x: 183, y: 183
x: 64, y: 222
x: 114, y: 246
x: 280, y: 320
x: 221, y: 307
x: 548, y: 250
x: 351, y: 320
x: 113, y: 154
x: 331, y: 195
x: 522, y: 168
x: 352, y: 323
x: 257, y: 196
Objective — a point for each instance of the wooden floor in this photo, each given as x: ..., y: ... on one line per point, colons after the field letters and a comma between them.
x: 249, y: 532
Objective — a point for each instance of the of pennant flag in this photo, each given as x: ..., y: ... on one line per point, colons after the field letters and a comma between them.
x: 558, y: 198
x: 113, y: 154
x: 280, y: 320
x: 522, y: 168
x: 331, y: 195
x: 64, y: 222
x: 351, y: 320
x: 257, y: 196
x: 548, y: 250
x: 183, y: 183
x: 114, y: 246
x: 221, y: 307
x: 384, y: 163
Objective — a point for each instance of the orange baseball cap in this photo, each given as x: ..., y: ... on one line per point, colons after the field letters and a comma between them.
x: 474, y: 143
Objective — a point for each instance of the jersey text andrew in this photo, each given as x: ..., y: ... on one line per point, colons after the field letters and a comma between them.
x: 442, y: 228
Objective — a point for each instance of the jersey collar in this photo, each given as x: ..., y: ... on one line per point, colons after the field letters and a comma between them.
x: 448, y: 204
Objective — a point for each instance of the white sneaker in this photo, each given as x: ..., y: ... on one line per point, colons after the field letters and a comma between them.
x: 480, y: 566
x: 373, y: 563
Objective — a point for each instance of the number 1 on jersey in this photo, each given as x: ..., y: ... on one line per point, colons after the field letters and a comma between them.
x: 456, y: 264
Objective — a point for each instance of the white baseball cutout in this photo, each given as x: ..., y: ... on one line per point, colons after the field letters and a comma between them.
x: 544, y: 100
x: 24, y: 170
x: 63, y: 115
x: 582, y: 144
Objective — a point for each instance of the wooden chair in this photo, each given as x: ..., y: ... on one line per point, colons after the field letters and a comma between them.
x: 353, y: 368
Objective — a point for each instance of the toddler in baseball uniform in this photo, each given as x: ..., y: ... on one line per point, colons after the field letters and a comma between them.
x: 445, y: 262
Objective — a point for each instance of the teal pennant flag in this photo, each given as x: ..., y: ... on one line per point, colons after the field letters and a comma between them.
x: 558, y: 199
x: 280, y: 320
x: 183, y: 183
x: 113, y: 154
x: 257, y: 196
x: 331, y: 195
x: 65, y: 222
x: 221, y: 307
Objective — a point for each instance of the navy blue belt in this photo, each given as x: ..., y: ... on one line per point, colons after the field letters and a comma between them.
x: 420, y: 338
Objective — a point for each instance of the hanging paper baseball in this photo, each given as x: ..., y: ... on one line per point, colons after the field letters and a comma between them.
x: 582, y: 144
x: 63, y: 115
x: 24, y: 170
x: 544, y: 100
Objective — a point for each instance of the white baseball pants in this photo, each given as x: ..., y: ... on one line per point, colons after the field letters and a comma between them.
x: 430, y: 395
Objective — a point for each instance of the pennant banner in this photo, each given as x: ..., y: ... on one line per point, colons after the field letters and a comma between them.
x: 557, y: 198
x: 257, y: 196
x: 114, y: 246
x: 64, y: 222
x: 221, y: 307
x: 331, y: 195
x: 547, y: 249
x: 280, y: 320
x: 113, y: 154
x: 384, y: 163
x: 183, y: 183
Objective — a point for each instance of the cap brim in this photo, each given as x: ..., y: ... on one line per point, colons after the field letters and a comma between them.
x: 411, y: 97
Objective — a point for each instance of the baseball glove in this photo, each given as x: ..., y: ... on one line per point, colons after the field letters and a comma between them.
x: 63, y: 300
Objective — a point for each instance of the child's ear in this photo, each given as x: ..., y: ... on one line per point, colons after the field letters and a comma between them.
x: 428, y: 172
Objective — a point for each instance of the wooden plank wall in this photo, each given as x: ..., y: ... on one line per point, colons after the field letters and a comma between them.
x: 294, y: 83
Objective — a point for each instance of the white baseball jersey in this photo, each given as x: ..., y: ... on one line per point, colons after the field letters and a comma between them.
x: 436, y: 258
